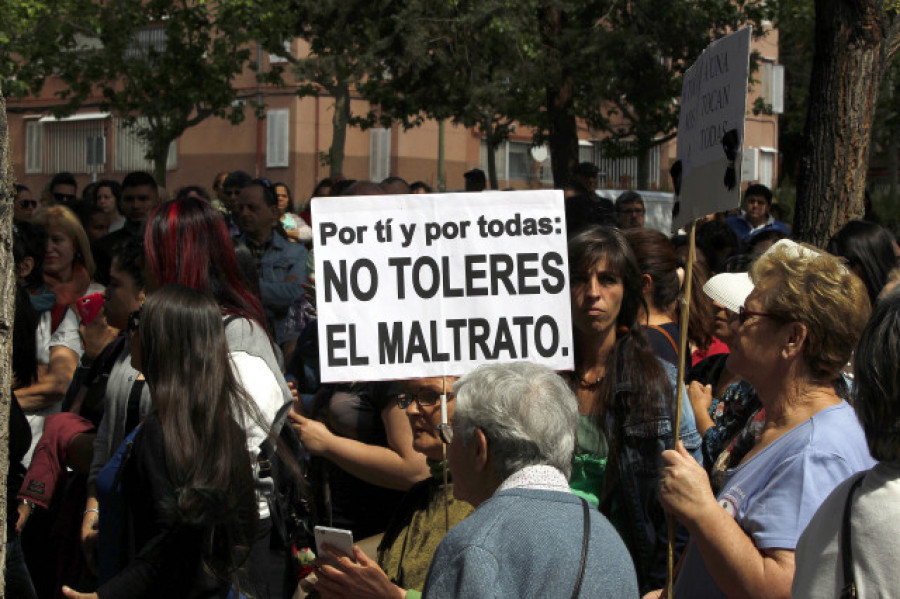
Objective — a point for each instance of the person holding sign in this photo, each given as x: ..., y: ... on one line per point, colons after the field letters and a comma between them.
x: 794, y: 333
x: 625, y: 399
x: 420, y: 519
x: 363, y: 456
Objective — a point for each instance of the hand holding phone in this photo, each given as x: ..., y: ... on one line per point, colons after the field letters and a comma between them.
x: 339, y: 539
x: 88, y: 307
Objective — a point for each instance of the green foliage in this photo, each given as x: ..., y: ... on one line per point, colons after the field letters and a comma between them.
x: 786, y: 196
x: 760, y: 106
x: 34, y: 37
x: 887, y: 207
x: 162, y: 65
x: 488, y: 63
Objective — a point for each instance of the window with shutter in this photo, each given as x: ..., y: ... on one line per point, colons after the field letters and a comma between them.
x: 379, y: 154
x: 34, y: 146
x: 131, y: 149
x: 767, y: 166
x: 750, y: 165
x: 277, y: 138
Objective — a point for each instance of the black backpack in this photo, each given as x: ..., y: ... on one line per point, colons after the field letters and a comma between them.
x: 283, y: 459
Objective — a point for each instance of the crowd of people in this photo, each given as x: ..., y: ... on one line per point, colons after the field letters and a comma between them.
x: 170, y: 435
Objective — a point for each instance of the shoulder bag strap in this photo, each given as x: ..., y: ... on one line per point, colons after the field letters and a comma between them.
x: 849, y: 589
x: 584, y: 547
x: 666, y: 333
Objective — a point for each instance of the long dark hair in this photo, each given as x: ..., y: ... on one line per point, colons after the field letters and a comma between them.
x: 869, y: 250
x: 24, y: 356
x: 184, y: 357
x: 877, y: 380
x: 187, y: 243
x: 632, y: 363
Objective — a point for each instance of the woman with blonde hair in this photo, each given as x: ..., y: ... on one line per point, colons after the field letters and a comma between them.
x: 67, y: 270
x: 794, y: 333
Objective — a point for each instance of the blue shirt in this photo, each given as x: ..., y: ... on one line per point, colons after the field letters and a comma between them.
x: 775, y: 494
x: 745, y: 231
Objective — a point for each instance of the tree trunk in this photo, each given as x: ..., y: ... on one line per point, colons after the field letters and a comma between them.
x: 644, y: 144
x: 490, y: 140
x: 562, y: 132
x: 441, y: 174
x: 492, y: 163
x: 339, y: 124
x: 562, y: 129
x: 160, y: 157
x: 855, y: 41
x: 893, y: 147
x: 7, y: 315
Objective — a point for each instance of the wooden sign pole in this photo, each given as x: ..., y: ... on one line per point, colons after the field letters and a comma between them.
x: 683, y: 351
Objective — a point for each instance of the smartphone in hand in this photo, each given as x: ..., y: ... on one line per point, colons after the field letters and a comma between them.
x: 88, y: 307
x: 339, y: 539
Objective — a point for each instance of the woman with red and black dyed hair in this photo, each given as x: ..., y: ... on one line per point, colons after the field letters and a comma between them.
x: 186, y: 243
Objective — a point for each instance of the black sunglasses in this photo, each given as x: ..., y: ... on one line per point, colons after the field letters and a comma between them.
x: 64, y: 197
x: 28, y: 203
x: 422, y: 400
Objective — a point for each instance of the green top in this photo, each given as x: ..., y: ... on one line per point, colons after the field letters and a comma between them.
x: 589, y: 461
x: 591, y: 479
x: 417, y: 528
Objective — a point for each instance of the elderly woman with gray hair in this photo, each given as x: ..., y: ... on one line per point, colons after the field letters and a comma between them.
x: 857, y: 525
x: 510, y: 453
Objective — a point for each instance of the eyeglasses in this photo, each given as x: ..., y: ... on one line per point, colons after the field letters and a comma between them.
x: 64, y: 197
x: 423, y: 400
x: 28, y: 203
x: 134, y: 321
x: 744, y: 314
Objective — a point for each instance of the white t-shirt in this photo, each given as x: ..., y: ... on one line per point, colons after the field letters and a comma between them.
x: 65, y: 335
x: 261, y: 385
x: 874, y: 533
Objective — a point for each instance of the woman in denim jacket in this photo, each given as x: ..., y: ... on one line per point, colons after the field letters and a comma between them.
x: 625, y: 399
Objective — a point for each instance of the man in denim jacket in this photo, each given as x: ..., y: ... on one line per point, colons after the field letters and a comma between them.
x: 280, y: 264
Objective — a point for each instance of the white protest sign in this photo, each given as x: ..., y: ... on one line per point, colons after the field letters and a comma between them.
x: 711, y: 128
x: 410, y: 286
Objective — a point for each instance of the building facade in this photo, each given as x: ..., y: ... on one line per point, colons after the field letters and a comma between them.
x: 289, y: 143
